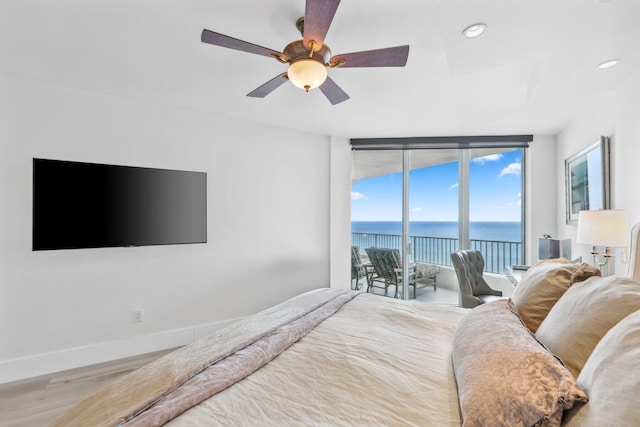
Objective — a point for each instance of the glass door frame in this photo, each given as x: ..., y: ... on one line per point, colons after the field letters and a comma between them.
x: 464, y: 185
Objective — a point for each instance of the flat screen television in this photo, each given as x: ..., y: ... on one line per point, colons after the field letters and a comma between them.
x: 88, y: 205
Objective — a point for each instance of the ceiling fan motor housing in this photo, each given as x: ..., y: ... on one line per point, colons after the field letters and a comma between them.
x: 296, y: 51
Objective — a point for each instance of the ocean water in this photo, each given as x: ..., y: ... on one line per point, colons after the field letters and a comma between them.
x: 479, y: 230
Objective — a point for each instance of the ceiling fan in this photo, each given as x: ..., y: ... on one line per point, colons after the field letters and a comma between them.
x: 309, y: 58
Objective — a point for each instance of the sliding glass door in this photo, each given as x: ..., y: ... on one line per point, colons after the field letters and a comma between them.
x: 453, y: 199
x: 496, y: 220
x: 433, y: 205
x: 377, y: 205
x: 376, y: 200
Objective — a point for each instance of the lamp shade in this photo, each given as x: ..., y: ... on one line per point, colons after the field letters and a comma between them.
x: 603, y: 228
x: 307, y: 73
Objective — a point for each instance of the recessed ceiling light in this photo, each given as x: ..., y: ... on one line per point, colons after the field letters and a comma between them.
x: 609, y: 63
x: 474, y: 30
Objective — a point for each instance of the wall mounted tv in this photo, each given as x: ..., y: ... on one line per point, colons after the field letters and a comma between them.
x: 88, y: 205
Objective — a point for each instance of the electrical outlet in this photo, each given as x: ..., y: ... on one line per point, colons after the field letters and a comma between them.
x: 624, y: 256
x: 137, y: 315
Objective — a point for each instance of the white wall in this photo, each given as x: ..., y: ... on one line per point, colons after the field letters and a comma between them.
x: 617, y: 115
x: 626, y: 149
x: 540, y: 196
x: 340, y: 223
x: 268, y: 228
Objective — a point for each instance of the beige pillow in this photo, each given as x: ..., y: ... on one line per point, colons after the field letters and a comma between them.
x: 611, y: 379
x: 544, y: 284
x: 504, y: 376
x: 581, y: 317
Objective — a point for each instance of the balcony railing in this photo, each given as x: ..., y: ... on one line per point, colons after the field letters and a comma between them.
x: 436, y: 250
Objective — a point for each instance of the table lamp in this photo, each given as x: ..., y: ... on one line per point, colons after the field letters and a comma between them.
x: 606, y: 228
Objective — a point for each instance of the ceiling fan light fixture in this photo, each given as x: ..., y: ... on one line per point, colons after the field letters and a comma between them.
x: 307, y: 73
x: 475, y: 30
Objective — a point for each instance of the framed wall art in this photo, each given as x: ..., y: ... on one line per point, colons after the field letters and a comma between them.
x: 587, y: 179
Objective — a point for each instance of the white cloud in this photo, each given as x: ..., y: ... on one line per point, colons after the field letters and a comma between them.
x: 357, y: 196
x: 451, y: 187
x: 512, y: 169
x: 517, y: 203
x: 485, y: 159
x: 416, y: 209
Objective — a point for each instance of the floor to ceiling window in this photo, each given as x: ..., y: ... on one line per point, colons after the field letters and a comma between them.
x: 376, y: 207
x: 496, y: 216
x: 433, y: 205
x: 457, y: 199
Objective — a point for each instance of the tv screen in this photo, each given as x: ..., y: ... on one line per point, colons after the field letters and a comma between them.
x: 88, y: 205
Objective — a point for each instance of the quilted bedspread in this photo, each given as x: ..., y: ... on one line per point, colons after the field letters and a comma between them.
x: 327, y: 357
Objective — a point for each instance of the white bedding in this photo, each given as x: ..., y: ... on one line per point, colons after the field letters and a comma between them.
x: 377, y: 361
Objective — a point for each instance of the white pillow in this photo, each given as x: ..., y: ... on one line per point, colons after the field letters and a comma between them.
x: 610, y: 378
x: 584, y: 313
x: 544, y: 284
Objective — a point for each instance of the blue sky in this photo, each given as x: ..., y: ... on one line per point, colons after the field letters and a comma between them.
x: 433, y: 192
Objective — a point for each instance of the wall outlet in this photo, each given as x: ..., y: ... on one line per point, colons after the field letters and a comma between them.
x: 136, y: 315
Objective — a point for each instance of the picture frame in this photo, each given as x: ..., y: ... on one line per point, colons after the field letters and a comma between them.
x: 587, y: 175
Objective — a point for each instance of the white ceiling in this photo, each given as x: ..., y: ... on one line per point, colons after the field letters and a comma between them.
x: 530, y: 72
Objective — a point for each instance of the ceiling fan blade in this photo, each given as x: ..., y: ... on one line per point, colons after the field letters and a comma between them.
x: 318, y: 15
x: 218, y: 39
x: 386, y: 57
x: 269, y: 86
x: 332, y: 91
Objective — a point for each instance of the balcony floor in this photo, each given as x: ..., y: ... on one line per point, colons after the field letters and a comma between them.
x: 426, y: 294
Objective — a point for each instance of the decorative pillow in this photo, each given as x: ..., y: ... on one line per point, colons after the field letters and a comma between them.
x: 611, y: 380
x: 582, y: 316
x: 504, y: 375
x: 544, y: 284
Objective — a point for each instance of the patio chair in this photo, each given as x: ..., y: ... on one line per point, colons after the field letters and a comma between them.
x: 358, y: 269
x: 387, y: 270
x: 474, y: 290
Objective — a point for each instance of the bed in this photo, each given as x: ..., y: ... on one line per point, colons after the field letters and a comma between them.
x: 342, y: 357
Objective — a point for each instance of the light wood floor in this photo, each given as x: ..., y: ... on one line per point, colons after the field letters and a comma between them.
x: 39, y: 401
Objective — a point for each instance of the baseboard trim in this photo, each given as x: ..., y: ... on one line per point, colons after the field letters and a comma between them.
x: 62, y: 360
